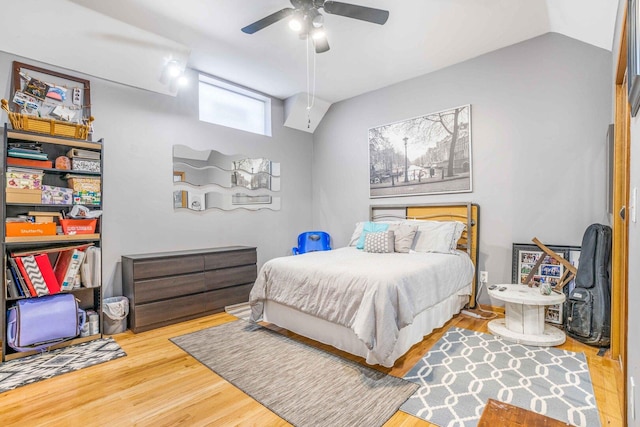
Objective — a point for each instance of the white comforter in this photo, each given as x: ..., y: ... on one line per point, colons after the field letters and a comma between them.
x: 375, y: 295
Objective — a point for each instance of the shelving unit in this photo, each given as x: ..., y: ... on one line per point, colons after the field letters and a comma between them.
x: 89, y: 298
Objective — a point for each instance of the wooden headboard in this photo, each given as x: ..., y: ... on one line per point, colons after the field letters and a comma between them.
x: 467, y: 213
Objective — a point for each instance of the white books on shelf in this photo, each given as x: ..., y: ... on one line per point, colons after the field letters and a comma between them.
x: 91, y: 267
x: 67, y: 267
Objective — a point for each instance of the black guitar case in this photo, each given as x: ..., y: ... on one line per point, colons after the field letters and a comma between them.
x: 589, y: 303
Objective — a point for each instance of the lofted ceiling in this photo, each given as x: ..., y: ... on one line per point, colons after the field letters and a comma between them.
x: 126, y: 40
x: 420, y: 36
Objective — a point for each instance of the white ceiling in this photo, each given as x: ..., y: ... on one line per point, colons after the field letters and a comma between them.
x: 420, y: 36
x: 127, y: 40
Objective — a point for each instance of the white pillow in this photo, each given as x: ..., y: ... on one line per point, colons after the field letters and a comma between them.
x: 404, y: 236
x: 437, y: 236
x: 360, y: 226
x: 356, y: 233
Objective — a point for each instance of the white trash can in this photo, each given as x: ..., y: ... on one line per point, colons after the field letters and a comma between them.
x: 115, y: 311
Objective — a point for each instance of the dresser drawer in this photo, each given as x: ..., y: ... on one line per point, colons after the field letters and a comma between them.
x: 217, y: 300
x: 163, y: 311
x: 229, y: 259
x: 161, y: 267
x: 216, y: 279
x: 168, y: 287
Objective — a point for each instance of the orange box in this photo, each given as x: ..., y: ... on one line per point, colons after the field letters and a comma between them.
x: 78, y: 226
x: 27, y: 229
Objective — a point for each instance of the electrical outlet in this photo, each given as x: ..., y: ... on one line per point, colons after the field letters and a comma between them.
x: 484, y: 276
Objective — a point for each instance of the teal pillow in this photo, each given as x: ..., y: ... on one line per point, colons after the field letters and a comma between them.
x: 370, y: 227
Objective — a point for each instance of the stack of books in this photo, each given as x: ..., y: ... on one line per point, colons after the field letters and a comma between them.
x: 43, y: 272
x: 28, y: 157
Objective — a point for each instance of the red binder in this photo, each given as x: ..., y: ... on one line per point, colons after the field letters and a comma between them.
x: 47, y: 273
x: 25, y: 276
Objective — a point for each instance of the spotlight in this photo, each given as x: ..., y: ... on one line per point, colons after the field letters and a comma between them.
x: 173, y: 75
x: 173, y: 69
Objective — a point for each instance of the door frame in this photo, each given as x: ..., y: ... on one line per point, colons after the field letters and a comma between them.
x: 620, y: 225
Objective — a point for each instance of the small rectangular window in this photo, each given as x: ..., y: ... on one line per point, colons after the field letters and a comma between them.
x: 227, y: 105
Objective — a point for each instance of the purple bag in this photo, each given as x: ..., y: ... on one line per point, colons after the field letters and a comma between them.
x: 39, y: 323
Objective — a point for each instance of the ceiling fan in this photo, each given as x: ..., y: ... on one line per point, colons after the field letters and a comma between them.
x: 307, y: 20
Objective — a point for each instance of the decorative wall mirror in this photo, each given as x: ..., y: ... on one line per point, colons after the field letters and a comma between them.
x: 208, y: 179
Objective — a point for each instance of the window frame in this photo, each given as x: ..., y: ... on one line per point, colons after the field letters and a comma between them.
x: 237, y: 91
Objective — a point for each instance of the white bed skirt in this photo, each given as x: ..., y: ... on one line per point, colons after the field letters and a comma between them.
x: 345, y: 339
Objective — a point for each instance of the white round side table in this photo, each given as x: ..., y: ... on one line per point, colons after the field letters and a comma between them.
x: 524, y: 316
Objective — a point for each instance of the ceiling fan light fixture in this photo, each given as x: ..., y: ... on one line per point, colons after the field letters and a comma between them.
x: 318, y: 34
x: 295, y: 24
x: 318, y: 21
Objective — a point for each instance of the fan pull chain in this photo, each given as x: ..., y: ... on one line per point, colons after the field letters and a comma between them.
x: 311, y: 89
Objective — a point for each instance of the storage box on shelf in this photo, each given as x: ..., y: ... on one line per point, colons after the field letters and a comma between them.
x: 47, y: 126
x: 22, y: 195
x: 39, y: 217
x: 78, y: 226
x: 24, y: 179
x: 88, y: 165
x: 43, y: 236
x: 52, y: 195
x: 21, y: 229
x: 86, y: 190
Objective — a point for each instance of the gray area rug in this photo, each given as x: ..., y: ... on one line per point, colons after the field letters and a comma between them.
x: 241, y: 311
x: 19, y: 372
x: 301, y: 384
x: 465, y: 368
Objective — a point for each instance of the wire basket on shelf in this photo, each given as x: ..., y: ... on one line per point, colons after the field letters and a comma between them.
x: 25, y: 122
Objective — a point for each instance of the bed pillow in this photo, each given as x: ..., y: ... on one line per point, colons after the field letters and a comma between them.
x: 370, y: 227
x: 380, y: 242
x: 404, y: 236
x: 438, y: 236
x: 356, y: 233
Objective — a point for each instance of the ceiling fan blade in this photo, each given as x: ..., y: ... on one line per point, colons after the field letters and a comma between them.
x: 363, y: 13
x: 321, y: 44
x: 268, y: 20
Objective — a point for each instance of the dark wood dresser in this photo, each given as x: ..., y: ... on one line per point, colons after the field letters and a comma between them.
x: 170, y: 287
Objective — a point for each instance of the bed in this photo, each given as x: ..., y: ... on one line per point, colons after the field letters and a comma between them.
x: 374, y: 304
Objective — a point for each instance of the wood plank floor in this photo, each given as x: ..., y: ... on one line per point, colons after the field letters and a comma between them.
x: 158, y: 384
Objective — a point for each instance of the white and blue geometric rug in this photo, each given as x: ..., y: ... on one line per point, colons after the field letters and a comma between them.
x: 465, y: 368
x: 27, y: 370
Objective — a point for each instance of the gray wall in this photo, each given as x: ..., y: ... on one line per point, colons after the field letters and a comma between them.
x: 140, y: 128
x: 539, y: 111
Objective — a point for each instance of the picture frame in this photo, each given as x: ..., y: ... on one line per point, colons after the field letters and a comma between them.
x: 49, y: 94
x: 633, y: 56
x: 524, y: 258
x: 429, y: 154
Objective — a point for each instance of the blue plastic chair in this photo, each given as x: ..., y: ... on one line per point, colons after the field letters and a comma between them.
x: 311, y: 241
